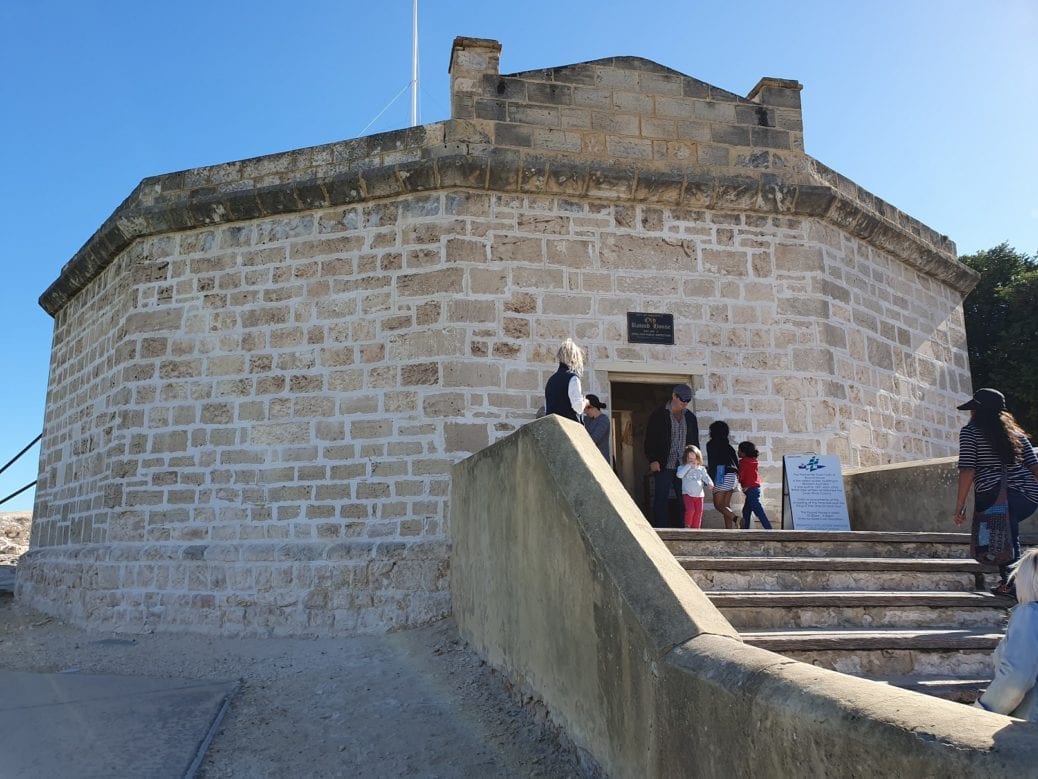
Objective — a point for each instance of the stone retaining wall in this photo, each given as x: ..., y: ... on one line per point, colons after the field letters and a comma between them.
x: 263, y: 589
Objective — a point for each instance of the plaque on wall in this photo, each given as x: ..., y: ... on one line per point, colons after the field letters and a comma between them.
x: 650, y: 328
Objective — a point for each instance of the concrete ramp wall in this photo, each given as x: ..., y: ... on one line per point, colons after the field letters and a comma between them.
x: 561, y: 584
x: 917, y: 496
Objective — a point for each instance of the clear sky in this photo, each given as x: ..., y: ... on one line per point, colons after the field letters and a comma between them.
x: 929, y: 104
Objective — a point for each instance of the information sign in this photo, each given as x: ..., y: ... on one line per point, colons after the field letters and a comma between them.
x: 812, y: 493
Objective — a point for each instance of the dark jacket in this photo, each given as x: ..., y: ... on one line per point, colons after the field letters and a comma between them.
x: 720, y: 452
x: 556, y: 394
x: 657, y: 434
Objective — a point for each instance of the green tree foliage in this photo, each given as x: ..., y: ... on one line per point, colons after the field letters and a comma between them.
x: 1002, y: 329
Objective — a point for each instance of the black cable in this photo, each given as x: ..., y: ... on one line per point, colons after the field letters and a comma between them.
x: 16, y: 494
x: 26, y: 449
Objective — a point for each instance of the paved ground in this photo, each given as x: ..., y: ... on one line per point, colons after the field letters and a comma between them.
x: 85, y: 725
x: 415, y: 703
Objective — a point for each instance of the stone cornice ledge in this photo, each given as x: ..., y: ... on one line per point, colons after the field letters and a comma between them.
x: 489, y: 168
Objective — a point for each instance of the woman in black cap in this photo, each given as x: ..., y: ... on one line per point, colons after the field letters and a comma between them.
x: 597, y: 424
x: 990, y: 444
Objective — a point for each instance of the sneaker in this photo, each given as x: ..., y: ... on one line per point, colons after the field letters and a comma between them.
x: 1004, y: 590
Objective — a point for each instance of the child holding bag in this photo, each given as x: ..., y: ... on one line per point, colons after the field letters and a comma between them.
x: 694, y: 479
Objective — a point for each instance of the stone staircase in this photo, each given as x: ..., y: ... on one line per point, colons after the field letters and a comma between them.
x: 910, y: 609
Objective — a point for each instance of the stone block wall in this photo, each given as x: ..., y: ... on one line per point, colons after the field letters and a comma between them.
x: 256, y: 422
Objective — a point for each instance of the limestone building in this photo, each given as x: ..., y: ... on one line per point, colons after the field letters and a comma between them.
x: 263, y: 371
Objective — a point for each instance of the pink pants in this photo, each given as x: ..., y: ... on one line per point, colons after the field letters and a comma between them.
x: 693, y: 511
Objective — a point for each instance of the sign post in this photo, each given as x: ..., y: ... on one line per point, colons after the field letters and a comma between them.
x: 812, y: 493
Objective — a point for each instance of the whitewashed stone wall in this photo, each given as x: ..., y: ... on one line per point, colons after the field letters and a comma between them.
x: 263, y: 371
x: 251, y: 427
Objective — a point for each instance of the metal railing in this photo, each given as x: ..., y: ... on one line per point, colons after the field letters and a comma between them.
x: 12, y: 462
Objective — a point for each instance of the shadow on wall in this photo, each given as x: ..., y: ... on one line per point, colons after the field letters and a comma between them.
x: 560, y: 583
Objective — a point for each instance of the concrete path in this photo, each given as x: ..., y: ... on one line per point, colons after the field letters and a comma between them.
x: 409, y: 703
x: 82, y: 725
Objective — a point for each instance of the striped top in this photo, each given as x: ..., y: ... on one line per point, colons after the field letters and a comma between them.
x: 678, y: 433
x: 977, y: 453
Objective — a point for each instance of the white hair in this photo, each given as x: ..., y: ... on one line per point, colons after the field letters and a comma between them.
x: 571, y: 356
x: 1025, y: 577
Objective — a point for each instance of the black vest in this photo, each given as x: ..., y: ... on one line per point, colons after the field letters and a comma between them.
x: 556, y: 394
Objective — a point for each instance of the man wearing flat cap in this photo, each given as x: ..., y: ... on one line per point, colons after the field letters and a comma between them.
x: 671, y: 428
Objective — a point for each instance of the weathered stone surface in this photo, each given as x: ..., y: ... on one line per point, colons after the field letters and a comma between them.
x: 633, y: 252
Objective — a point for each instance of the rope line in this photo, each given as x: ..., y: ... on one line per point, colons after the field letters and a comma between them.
x: 406, y: 87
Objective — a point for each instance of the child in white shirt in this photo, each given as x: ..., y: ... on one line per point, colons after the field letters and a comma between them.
x: 693, y: 480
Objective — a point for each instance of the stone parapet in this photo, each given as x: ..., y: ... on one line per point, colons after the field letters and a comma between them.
x: 916, y: 496
x: 171, y: 204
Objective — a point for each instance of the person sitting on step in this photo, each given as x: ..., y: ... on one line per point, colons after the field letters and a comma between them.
x: 1013, y: 691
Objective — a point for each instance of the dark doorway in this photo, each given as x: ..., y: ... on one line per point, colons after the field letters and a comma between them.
x: 632, y: 402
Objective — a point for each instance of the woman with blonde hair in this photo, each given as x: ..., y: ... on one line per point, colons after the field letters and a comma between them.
x: 562, y: 393
x: 1012, y: 691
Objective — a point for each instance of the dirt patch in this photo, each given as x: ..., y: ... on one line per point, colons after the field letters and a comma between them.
x: 412, y: 703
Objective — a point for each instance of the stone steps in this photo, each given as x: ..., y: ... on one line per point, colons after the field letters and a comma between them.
x: 860, y: 609
x: 948, y: 664
x: 909, y: 609
x: 834, y: 573
x: 821, y: 639
x: 800, y: 543
x: 965, y: 690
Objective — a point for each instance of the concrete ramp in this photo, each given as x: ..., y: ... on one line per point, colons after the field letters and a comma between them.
x: 82, y: 726
x: 558, y: 581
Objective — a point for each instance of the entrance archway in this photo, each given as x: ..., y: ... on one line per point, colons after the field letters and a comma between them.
x: 634, y: 390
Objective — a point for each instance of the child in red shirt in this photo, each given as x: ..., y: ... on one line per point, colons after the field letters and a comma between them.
x: 749, y: 480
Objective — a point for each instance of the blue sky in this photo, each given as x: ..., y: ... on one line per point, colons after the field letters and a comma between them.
x: 927, y: 103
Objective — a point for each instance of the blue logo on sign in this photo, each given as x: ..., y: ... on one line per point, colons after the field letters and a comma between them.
x: 811, y: 465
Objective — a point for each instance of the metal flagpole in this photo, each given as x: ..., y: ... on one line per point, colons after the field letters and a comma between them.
x: 414, y: 64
